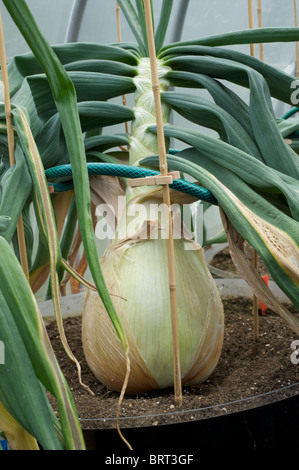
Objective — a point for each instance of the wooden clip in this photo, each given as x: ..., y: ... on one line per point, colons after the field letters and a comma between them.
x: 175, y: 175
x: 153, y: 180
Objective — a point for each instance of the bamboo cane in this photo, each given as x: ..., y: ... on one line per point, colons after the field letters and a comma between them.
x: 166, y: 200
x: 11, y: 146
x: 250, y: 18
x: 255, y: 304
x: 255, y: 256
x: 260, y: 23
x: 254, y: 260
x: 119, y: 40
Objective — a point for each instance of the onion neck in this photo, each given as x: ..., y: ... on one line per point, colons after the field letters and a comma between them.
x: 143, y: 143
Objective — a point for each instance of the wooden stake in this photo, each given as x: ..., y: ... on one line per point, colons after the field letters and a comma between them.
x: 255, y: 300
x: 250, y: 17
x: 255, y: 256
x: 255, y: 309
x: 11, y: 146
x: 166, y: 200
x: 259, y: 15
x: 119, y: 40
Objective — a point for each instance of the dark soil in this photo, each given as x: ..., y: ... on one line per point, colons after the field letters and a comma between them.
x: 249, y: 373
x: 224, y: 262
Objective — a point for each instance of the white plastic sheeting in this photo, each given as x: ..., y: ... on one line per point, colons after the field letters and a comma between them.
x: 98, y: 22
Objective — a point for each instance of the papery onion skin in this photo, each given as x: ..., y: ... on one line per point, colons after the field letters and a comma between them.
x: 136, y: 270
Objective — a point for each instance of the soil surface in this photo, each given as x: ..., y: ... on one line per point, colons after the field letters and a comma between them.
x: 223, y: 261
x: 249, y: 373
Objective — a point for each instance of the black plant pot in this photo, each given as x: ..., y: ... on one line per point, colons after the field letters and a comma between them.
x: 268, y: 423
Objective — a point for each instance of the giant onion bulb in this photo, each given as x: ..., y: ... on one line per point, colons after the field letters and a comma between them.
x: 136, y: 274
x: 135, y: 268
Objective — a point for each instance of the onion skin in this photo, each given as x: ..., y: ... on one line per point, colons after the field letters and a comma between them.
x: 136, y: 276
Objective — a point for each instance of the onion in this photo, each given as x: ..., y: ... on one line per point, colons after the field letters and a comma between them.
x: 136, y: 274
x: 135, y: 268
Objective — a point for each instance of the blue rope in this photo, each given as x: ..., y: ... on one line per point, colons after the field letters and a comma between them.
x: 126, y: 171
